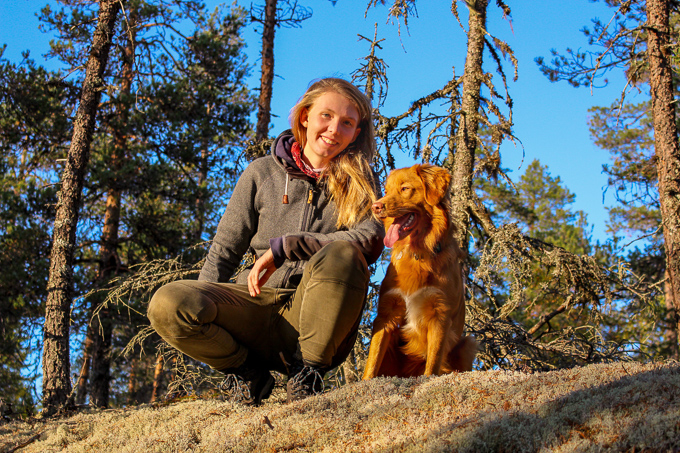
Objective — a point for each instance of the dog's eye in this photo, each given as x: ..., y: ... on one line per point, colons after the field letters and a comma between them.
x: 405, y: 189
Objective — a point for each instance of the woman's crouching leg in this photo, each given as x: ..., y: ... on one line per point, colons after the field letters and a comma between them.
x: 182, y: 313
x: 328, y: 303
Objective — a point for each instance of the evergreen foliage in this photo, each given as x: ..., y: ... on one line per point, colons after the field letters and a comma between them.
x: 626, y: 130
x: 34, y: 128
x: 170, y: 132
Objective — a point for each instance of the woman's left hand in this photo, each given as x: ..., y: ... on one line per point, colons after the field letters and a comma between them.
x: 264, y: 263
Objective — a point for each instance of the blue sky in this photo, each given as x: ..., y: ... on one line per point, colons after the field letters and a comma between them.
x: 550, y: 118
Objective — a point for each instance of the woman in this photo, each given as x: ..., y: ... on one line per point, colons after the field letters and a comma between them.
x: 305, y: 213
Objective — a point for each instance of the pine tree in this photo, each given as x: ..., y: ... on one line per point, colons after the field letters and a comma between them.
x: 541, y: 206
x: 173, y: 118
x: 666, y: 146
x: 626, y: 132
x: 34, y: 128
x: 274, y: 13
x: 56, y: 350
x: 638, y: 41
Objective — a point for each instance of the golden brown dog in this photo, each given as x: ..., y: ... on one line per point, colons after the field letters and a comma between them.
x: 421, y: 309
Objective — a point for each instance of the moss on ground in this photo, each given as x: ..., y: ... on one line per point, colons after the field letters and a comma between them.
x: 605, y: 407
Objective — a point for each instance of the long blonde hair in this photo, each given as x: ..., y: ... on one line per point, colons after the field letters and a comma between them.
x: 348, y: 177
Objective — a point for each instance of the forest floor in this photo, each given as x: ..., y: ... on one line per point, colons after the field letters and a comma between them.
x: 604, y: 407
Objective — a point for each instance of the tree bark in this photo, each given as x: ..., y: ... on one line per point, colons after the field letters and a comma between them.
x: 202, y: 182
x: 463, y: 159
x: 672, y: 330
x: 109, y: 261
x: 132, y: 383
x: 101, y: 324
x: 84, y: 376
x: 56, y: 366
x: 665, y: 139
x: 157, y: 379
x: 267, y: 77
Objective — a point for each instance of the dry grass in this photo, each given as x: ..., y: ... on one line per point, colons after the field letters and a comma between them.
x: 605, y: 407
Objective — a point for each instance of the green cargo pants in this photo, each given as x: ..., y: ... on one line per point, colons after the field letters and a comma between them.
x: 220, y: 324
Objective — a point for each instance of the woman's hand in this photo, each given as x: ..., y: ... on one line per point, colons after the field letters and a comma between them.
x: 264, y: 263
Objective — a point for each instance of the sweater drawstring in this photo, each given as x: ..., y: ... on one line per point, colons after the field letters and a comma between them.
x: 285, y: 192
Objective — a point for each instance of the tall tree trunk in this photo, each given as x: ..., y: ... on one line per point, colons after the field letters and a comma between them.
x: 56, y: 359
x: 665, y: 139
x: 202, y: 191
x: 157, y: 379
x: 109, y: 261
x: 102, y: 324
x: 463, y: 160
x: 132, y: 381
x: 267, y: 77
x: 83, y: 377
x: 672, y: 331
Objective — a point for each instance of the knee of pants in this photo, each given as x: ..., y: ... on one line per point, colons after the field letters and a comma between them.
x: 342, y: 259
x: 179, y: 309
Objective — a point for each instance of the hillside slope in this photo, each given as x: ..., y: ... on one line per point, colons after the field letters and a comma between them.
x: 611, y: 407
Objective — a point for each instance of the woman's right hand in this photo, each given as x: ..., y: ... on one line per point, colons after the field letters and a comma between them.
x: 264, y: 263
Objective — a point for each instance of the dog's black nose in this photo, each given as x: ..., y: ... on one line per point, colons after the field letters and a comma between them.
x: 377, y: 207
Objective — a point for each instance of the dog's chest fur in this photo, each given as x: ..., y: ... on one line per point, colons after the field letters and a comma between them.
x: 419, y: 305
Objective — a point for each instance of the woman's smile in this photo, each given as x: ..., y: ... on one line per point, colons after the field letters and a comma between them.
x: 332, y: 125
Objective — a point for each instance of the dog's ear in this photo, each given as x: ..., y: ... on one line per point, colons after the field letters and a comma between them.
x: 436, y: 181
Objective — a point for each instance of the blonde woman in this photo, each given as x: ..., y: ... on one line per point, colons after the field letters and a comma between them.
x: 305, y: 212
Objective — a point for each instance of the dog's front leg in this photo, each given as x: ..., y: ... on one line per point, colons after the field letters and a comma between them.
x: 438, y: 343
x: 391, y: 311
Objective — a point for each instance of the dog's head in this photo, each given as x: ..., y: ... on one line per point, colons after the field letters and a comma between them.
x: 412, y: 195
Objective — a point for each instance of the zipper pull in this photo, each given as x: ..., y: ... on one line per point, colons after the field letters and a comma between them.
x: 285, y: 191
x: 310, y: 197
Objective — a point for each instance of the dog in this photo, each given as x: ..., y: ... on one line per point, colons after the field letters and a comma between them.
x: 421, y: 307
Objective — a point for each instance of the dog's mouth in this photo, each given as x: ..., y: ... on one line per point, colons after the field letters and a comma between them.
x: 400, y: 228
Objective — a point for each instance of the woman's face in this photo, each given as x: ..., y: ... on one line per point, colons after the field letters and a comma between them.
x: 332, y: 125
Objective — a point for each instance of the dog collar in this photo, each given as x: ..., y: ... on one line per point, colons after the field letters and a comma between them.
x: 415, y: 256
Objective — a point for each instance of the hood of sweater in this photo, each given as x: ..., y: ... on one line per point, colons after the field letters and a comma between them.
x: 281, y: 152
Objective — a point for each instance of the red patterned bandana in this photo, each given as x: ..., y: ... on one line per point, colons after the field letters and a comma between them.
x: 297, y: 155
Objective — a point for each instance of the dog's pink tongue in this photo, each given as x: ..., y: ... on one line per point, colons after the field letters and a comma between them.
x: 392, y: 234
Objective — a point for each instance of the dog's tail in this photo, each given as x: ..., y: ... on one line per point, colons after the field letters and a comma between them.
x: 463, y: 354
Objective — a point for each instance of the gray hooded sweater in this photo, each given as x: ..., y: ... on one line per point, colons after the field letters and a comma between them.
x: 257, y: 218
